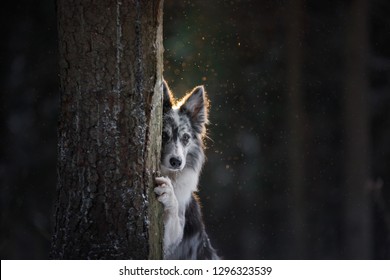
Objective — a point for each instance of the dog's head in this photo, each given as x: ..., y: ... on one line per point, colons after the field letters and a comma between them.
x: 183, y: 129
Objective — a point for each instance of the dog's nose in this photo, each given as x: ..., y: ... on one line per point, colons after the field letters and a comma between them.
x: 175, y: 162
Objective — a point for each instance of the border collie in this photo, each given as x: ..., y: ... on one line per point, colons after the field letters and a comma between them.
x: 182, y: 157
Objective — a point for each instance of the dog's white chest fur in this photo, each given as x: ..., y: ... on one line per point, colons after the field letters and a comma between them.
x: 184, y: 185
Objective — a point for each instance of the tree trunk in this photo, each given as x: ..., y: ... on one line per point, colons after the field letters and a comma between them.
x: 296, y: 120
x: 110, y: 129
x: 357, y: 160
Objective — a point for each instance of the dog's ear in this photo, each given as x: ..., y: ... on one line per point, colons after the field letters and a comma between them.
x: 196, y: 105
x: 167, y: 98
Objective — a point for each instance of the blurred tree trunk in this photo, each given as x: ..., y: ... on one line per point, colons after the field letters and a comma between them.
x: 357, y: 160
x: 296, y: 121
x: 109, y: 131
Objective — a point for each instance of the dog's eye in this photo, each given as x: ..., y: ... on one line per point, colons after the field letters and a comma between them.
x: 185, y: 138
x: 165, y: 136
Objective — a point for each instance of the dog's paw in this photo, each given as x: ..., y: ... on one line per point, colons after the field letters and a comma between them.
x: 165, y: 193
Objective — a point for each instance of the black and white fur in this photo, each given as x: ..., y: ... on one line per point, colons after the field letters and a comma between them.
x: 182, y: 159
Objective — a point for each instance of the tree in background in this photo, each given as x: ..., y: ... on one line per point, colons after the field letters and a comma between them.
x: 110, y: 127
x: 296, y: 123
x: 358, y: 225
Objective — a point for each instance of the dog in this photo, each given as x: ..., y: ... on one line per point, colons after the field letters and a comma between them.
x: 182, y: 158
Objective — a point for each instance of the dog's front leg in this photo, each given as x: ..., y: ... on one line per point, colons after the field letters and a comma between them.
x: 173, y: 223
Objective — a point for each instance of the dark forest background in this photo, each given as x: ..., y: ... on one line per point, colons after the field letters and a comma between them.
x: 299, y: 150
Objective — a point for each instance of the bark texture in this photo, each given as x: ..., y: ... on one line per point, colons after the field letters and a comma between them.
x: 110, y: 129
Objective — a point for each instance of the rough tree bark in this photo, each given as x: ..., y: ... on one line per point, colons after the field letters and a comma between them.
x: 110, y: 129
x: 357, y: 160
